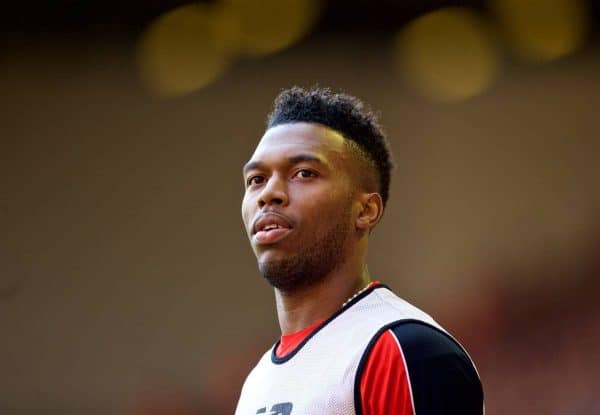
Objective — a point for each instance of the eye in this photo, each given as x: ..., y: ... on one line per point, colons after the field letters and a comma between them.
x: 305, y: 174
x: 253, y: 180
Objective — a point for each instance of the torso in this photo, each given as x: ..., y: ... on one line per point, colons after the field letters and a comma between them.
x: 320, y: 376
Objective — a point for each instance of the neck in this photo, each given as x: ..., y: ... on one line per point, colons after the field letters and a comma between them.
x: 301, y: 308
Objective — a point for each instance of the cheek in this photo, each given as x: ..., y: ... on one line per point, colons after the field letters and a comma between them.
x: 327, y: 209
x: 246, y: 211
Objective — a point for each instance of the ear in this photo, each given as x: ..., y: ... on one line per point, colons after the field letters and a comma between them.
x: 371, y: 211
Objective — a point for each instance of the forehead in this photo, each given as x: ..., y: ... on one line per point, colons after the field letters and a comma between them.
x: 288, y: 140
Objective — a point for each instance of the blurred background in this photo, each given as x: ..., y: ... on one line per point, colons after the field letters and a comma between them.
x: 127, y: 285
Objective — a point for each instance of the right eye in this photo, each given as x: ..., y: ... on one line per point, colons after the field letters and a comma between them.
x: 253, y: 180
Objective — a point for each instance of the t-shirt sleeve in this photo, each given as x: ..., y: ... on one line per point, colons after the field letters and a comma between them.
x: 413, y: 368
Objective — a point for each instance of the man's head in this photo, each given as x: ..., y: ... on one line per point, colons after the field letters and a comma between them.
x: 348, y: 116
x: 316, y: 185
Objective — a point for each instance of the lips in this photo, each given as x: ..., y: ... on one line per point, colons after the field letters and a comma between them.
x: 270, y: 228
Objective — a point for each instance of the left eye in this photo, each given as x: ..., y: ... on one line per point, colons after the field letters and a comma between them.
x: 304, y: 173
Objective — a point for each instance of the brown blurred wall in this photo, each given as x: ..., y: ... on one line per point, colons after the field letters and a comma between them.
x: 123, y: 261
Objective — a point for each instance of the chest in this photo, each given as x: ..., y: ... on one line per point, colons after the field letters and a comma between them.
x: 317, y: 380
x: 321, y: 378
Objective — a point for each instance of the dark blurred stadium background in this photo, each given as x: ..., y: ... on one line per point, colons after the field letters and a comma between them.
x: 126, y: 282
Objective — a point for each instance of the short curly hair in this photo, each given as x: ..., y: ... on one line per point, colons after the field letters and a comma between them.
x: 343, y: 113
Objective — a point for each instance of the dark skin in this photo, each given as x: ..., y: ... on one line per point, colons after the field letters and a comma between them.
x: 308, y: 207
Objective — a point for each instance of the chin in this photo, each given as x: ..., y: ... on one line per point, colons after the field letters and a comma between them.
x: 275, y: 252
x: 266, y: 258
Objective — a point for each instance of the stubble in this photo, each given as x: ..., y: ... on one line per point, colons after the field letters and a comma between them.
x: 314, y: 263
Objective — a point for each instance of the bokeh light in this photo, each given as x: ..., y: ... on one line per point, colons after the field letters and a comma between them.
x: 542, y: 30
x: 448, y: 55
x: 269, y: 26
x: 180, y: 52
x: 189, y: 47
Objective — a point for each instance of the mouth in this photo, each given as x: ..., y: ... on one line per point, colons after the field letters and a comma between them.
x: 270, y: 228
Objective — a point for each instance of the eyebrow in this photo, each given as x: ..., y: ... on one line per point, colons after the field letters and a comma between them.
x: 251, y: 165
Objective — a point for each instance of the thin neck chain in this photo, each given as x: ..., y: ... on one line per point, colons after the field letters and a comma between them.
x: 359, y: 292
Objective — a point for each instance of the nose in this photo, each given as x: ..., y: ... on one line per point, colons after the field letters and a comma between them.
x: 273, y: 193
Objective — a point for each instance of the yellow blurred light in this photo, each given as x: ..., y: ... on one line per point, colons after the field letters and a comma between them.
x: 269, y: 26
x: 179, y: 52
x: 543, y: 30
x: 448, y: 55
x: 225, y: 25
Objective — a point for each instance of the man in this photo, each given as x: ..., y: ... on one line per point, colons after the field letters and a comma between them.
x: 315, y: 188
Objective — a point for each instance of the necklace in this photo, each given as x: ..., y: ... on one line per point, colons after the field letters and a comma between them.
x: 356, y: 294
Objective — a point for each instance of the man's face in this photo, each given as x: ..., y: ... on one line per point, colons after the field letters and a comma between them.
x: 297, y: 208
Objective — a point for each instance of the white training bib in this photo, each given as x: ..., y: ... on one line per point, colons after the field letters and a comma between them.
x: 319, y: 377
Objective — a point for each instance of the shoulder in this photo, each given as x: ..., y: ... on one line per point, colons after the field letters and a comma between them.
x: 422, y: 341
x: 424, y: 365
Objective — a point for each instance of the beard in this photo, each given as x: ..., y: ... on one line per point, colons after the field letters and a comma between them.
x: 314, y: 263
